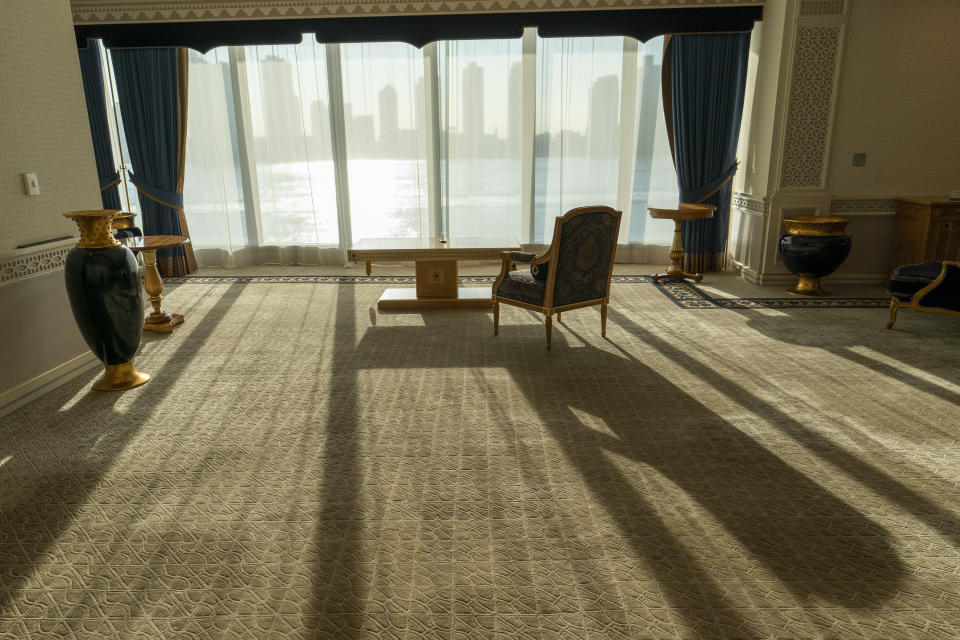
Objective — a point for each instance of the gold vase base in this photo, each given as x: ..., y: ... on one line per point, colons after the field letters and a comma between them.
x: 118, y: 377
x: 677, y: 275
x: 162, y: 323
x: 809, y: 287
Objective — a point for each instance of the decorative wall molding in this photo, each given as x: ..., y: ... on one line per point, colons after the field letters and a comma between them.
x: 821, y: 7
x: 20, y: 395
x: 99, y: 11
x: 810, y: 108
x: 883, y: 206
x: 24, y: 264
x: 751, y: 204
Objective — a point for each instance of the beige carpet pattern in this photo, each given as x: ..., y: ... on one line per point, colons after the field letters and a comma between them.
x: 301, y: 466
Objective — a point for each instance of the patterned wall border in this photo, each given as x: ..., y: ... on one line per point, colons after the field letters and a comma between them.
x: 23, y: 265
x: 751, y: 203
x: 98, y: 11
x: 875, y: 205
x: 811, y: 102
x: 821, y: 7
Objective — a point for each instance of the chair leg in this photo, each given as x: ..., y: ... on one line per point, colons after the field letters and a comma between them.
x: 496, y: 316
x: 549, y: 325
x: 603, y: 319
x: 894, y: 305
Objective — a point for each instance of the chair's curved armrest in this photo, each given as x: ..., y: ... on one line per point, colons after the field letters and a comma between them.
x: 517, y: 256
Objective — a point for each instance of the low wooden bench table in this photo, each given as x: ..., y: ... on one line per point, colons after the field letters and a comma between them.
x: 436, y: 268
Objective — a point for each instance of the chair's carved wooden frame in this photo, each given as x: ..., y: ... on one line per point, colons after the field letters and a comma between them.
x: 550, y: 256
x: 917, y: 298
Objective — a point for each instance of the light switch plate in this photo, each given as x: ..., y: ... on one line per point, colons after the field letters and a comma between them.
x: 30, y: 185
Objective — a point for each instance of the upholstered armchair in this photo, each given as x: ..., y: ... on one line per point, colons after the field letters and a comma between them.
x: 928, y: 286
x: 573, y: 273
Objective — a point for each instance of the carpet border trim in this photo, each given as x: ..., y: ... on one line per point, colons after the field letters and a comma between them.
x: 684, y: 294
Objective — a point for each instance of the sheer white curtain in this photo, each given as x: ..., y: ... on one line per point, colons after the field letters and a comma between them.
x: 654, y: 177
x: 386, y: 140
x: 212, y: 190
x: 481, y: 117
x: 288, y: 98
x: 578, y: 127
x: 260, y: 185
x: 296, y: 151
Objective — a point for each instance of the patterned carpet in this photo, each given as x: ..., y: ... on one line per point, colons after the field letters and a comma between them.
x: 301, y: 466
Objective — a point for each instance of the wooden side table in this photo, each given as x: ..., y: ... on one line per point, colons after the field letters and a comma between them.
x: 159, y: 321
x: 678, y: 214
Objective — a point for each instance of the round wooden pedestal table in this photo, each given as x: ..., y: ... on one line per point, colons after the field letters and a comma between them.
x: 159, y: 321
x: 678, y: 214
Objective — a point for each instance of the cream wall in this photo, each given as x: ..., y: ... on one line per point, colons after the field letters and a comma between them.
x: 43, y: 129
x: 874, y: 76
x: 898, y: 100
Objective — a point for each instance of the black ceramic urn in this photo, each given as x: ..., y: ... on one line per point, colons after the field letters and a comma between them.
x: 124, y: 226
x: 813, y: 247
x: 104, y: 290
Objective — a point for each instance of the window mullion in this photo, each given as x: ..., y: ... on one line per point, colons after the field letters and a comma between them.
x: 628, y: 134
x: 338, y: 143
x: 439, y: 224
x: 245, y: 146
x: 528, y: 134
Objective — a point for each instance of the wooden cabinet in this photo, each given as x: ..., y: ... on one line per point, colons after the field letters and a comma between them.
x: 927, y: 229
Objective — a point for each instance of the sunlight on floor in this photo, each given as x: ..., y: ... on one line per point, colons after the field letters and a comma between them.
x: 902, y: 366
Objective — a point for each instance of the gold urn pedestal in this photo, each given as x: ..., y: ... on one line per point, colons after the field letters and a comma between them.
x: 808, y: 286
x: 118, y: 377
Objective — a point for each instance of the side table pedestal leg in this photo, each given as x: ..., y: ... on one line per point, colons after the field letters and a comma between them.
x: 675, y: 270
x: 158, y: 321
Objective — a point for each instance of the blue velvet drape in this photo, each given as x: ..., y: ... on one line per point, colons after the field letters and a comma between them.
x: 707, y: 79
x: 92, y: 74
x: 151, y: 86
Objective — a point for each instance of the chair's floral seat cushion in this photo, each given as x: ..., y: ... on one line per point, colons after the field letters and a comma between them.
x: 910, y: 278
x: 522, y: 286
x: 584, y: 259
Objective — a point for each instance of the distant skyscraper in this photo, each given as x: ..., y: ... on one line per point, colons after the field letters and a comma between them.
x: 472, y: 97
x: 389, y: 118
x: 281, y: 109
x: 515, y: 103
x: 603, y: 116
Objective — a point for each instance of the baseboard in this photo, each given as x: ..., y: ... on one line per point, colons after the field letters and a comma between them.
x: 746, y: 272
x: 36, y: 387
x: 753, y: 277
x: 837, y: 278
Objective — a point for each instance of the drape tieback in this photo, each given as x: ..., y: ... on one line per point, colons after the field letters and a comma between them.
x: 170, y: 199
x: 111, y: 180
x: 704, y: 191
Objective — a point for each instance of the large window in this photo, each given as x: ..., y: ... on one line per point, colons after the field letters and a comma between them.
x: 481, y: 128
x: 386, y: 140
x: 322, y: 145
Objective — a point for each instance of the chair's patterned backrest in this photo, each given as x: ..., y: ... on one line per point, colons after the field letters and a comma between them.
x: 587, y: 242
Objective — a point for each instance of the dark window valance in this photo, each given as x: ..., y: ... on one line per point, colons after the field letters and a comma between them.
x: 419, y: 30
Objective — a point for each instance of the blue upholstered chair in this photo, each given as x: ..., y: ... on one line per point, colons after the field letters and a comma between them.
x: 574, y: 272
x: 928, y: 286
